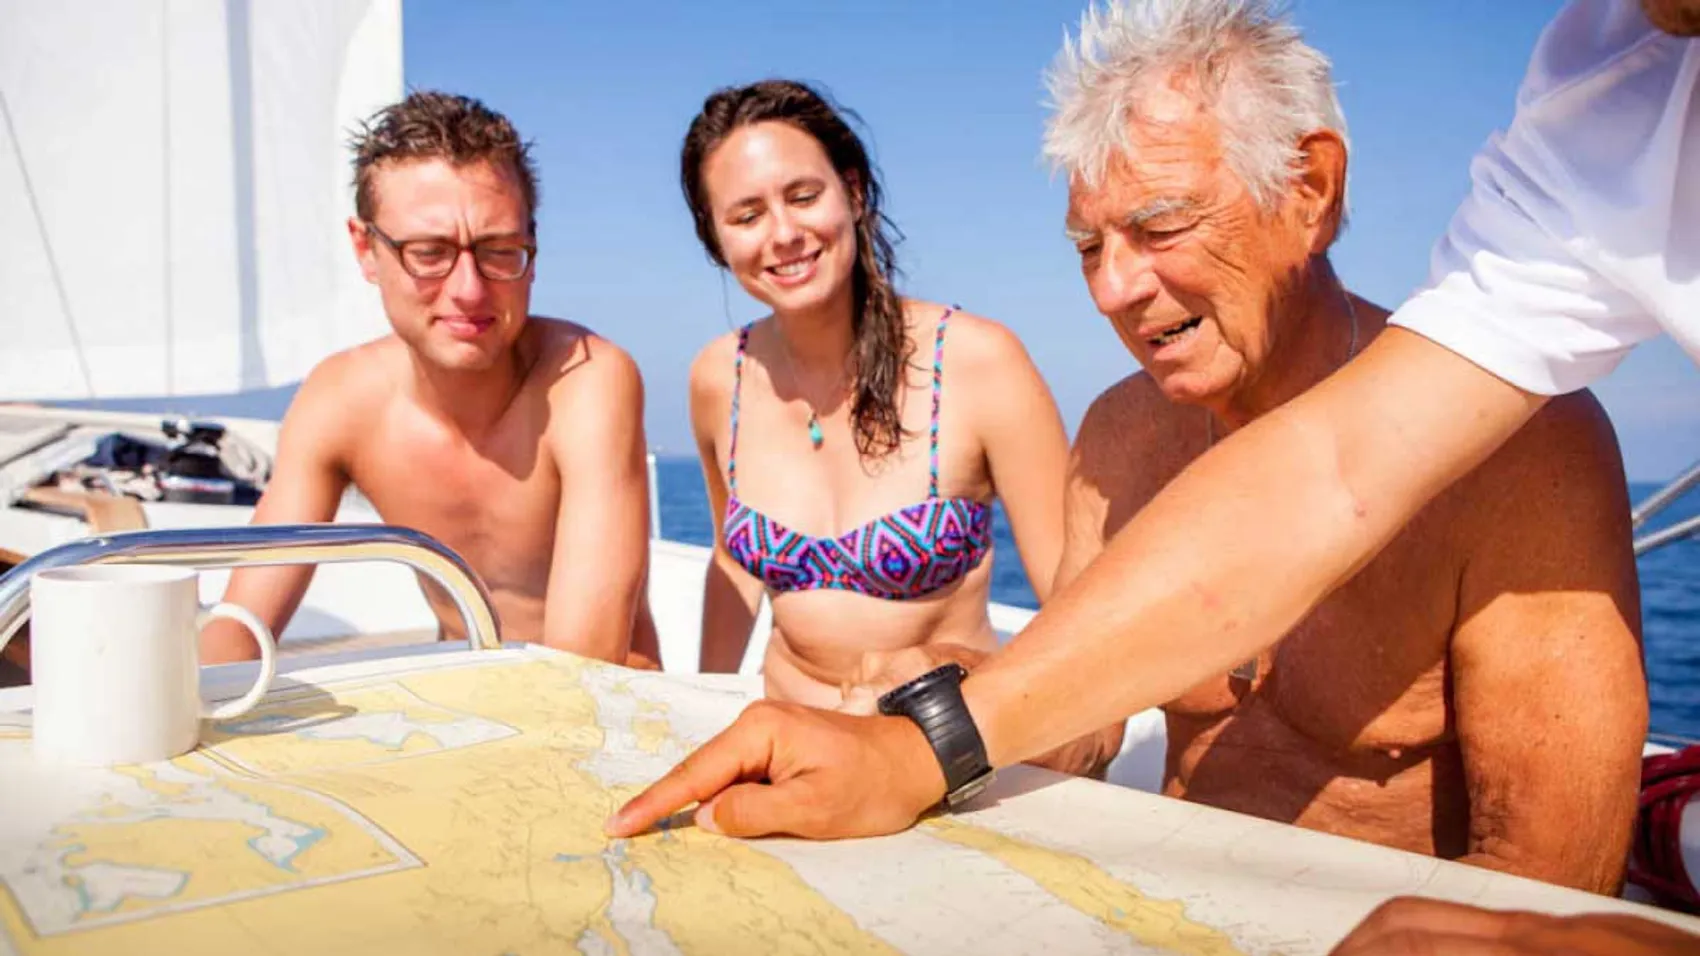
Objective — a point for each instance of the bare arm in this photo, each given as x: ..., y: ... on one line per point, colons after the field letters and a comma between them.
x: 731, y: 599
x: 1548, y: 689
x: 731, y: 596
x: 307, y: 482
x: 1026, y: 449
x: 601, y: 556
x: 1112, y: 471
x: 1315, y: 488
x: 1102, y: 464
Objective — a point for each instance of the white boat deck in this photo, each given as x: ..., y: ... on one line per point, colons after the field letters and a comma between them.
x: 377, y: 608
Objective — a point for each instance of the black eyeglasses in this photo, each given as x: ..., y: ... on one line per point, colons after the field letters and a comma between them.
x: 498, y: 259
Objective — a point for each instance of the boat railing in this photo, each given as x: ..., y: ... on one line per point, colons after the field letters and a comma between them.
x: 654, y: 497
x: 266, y: 545
x: 1660, y: 500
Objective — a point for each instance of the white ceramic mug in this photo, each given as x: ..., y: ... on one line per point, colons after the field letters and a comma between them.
x: 115, y: 660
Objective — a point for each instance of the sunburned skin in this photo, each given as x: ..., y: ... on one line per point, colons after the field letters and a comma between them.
x: 1474, y: 691
x: 1367, y: 719
x: 1676, y: 17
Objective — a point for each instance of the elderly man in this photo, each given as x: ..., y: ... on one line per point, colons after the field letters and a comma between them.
x: 1418, y: 706
x: 515, y: 440
x: 1577, y: 242
x: 1423, y: 703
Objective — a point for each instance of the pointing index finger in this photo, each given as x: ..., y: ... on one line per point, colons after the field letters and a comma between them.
x: 739, y: 753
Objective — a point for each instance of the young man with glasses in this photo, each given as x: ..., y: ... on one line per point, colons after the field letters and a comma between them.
x: 516, y: 440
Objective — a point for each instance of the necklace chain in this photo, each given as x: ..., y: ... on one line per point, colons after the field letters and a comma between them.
x: 816, y: 435
x: 1351, y: 350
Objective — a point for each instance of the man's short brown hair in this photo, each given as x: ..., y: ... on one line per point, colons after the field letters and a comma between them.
x: 434, y: 125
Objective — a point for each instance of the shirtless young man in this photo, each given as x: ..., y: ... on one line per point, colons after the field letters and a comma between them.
x: 515, y: 440
x: 1475, y: 691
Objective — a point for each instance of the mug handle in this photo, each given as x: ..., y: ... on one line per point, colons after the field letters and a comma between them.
x: 268, y: 658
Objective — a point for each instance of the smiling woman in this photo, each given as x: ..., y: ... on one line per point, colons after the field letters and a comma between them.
x: 832, y: 419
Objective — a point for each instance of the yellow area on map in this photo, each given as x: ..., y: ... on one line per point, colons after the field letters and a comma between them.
x: 507, y: 830
x: 652, y: 733
x: 262, y: 837
x: 1085, y: 886
x: 725, y: 896
x: 150, y: 780
x: 316, y: 731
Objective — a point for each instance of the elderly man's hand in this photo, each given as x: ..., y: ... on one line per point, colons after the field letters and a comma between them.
x: 1410, y: 926
x: 789, y: 769
x: 880, y: 671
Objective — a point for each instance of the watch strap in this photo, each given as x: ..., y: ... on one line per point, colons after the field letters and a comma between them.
x: 934, y: 702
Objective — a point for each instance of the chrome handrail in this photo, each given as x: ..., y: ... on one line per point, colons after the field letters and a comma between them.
x: 1664, y: 497
x: 252, y: 545
x: 1659, y: 501
x: 1681, y: 531
x: 654, y: 496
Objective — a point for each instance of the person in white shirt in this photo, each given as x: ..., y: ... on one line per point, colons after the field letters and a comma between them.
x: 1580, y: 238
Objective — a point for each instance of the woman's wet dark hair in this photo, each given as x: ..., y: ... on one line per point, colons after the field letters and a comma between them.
x: 881, y: 348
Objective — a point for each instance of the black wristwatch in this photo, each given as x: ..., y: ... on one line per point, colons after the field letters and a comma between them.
x: 934, y: 702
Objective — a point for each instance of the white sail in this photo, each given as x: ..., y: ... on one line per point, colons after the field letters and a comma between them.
x: 174, y: 181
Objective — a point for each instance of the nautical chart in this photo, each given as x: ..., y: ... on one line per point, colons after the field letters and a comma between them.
x: 454, y: 804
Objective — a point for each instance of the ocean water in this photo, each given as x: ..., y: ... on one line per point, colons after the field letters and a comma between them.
x: 1670, y: 588
x: 1670, y: 618
x: 1670, y: 576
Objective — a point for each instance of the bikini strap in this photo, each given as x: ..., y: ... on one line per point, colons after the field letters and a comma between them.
x: 737, y: 388
x: 938, y: 390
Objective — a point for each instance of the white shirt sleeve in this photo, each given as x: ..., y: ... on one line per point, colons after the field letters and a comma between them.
x: 1519, y: 284
x: 1510, y: 293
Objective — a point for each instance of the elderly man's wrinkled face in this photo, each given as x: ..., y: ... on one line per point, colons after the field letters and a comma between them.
x: 1179, y: 256
x: 1678, y: 17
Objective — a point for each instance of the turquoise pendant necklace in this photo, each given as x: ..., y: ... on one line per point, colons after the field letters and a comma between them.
x: 817, y: 437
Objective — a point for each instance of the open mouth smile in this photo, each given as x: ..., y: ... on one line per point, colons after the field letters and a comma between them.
x: 795, y: 270
x: 1176, y: 332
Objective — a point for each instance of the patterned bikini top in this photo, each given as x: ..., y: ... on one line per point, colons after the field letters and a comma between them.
x: 908, y: 553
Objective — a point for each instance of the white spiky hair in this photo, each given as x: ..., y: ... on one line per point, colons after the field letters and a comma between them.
x: 1267, y: 86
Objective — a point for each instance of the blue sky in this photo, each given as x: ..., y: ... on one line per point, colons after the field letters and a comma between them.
x: 950, y: 93
x: 951, y: 96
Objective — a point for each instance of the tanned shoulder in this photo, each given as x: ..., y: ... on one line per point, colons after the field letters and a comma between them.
x: 711, y: 384
x: 342, y: 397
x: 1131, y: 442
x: 1566, y: 457
x: 711, y: 370
x: 585, y: 374
x: 1549, y: 508
x: 987, y: 361
x: 977, y: 344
